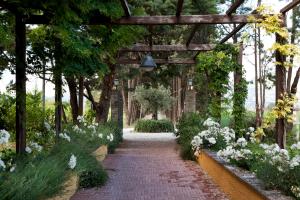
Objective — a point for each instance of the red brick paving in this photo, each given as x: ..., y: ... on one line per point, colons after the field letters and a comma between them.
x: 148, y: 167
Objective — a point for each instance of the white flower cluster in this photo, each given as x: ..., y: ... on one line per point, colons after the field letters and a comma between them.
x: 296, y: 191
x: 33, y: 146
x: 4, y: 136
x: 2, y: 165
x: 76, y: 129
x: 47, y: 126
x: 110, y: 137
x: 72, y: 162
x: 65, y: 136
x: 251, y: 134
x: 211, y: 135
x: 100, y: 135
x: 236, y: 152
x: 295, y: 146
x: 281, y: 158
x: 80, y: 119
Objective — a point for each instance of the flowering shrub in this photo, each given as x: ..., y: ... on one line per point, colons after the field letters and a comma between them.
x: 213, y: 137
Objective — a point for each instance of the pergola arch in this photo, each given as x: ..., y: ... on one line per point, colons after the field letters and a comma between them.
x: 178, y: 19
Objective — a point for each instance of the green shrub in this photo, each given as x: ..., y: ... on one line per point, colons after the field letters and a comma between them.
x: 188, y: 126
x: 41, y: 175
x: 92, y: 178
x: 154, y: 126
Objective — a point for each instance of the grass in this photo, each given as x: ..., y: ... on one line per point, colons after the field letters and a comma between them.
x: 42, y: 175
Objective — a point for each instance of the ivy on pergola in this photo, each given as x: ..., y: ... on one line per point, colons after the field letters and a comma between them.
x: 97, y: 19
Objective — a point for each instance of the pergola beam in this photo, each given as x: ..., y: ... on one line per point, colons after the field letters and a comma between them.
x: 126, y: 61
x: 234, y: 7
x: 166, y: 48
x: 179, y: 8
x: 157, y: 20
x: 126, y: 8
x: 289, y: 6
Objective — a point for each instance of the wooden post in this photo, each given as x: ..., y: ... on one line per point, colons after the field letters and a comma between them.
x: 280, y: 128
x: 58, y: 87
x: 20, y: 85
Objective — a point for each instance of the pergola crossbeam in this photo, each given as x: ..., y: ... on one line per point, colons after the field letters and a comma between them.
x: 126, y: 61
x: 233, y: 32
x: 234, y: 7
x: 156, y: 20
x: 126, y: 8
x: 289, y: 6
x: 166, y: 48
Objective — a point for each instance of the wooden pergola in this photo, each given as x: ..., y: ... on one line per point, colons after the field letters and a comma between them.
x: 178, y: 19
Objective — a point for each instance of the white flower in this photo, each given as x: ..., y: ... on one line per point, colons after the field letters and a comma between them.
x: 296, y: 191
x: 12, y: 169
x: 72, y: 162
x: 110, y: 137
x: 295, y: 162
x: 28, y: 149
x: 241, y: 142
x: 100, y: 135
x: 296, y: 146
x: 80, y: 119
x: 2, y: 164
x: 212, y: 140
x: 210, y: 122
x: 36, y: 146
x: 65, y: 136
x: 197, y: 141
x: 47, y: 126
x: 4, y: 136
x: 38, y: 134
x: 251, y: 129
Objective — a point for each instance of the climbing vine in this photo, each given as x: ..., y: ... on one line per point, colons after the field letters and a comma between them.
x: 217, y: 65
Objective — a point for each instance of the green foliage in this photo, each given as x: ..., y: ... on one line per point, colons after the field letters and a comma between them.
x: 92, y: 178
x: 238, y: 109
x: 217, y: 65
x: 42, y: 175
x: 153, y: 99
x: 189, y: 125
x: 34, y: 111
x: 154, y: 126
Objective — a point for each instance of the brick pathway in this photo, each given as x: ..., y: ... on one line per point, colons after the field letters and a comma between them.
x: 148, y: 167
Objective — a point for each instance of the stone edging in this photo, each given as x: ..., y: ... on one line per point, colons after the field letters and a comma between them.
x: 71, y: 184
x: 237, y: 183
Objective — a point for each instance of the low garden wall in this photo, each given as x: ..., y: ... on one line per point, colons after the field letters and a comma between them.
x: 237, y: 183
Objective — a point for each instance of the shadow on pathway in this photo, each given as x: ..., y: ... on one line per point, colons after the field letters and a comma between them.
x: 147, y: 166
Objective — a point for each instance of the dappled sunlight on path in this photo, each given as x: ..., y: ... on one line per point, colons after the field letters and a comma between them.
x: 147, y: 166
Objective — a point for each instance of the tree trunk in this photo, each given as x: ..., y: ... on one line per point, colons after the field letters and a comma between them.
x: 280, y: 91
x: 102, y: 108
x: 73, y: 97
x: 80, y: 96
x: 257, y: 105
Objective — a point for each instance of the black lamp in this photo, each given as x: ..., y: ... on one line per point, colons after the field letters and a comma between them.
x: 148, y: 63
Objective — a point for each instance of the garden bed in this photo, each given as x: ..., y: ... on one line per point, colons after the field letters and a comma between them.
x: 237, y: 183
x: 72, y: 184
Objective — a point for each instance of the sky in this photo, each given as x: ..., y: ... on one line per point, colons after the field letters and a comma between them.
x: 36, y: 83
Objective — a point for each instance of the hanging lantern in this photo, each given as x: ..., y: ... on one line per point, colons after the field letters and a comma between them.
x: 148, y: 63
x: 190, y: 84
x: 116, y: 82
